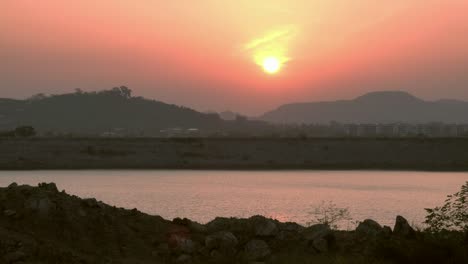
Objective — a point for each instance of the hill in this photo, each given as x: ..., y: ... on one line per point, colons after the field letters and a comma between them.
x: 98, y: 112
x: 376, y: 107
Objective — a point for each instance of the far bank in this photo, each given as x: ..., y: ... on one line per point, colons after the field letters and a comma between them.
x: 234, y: 153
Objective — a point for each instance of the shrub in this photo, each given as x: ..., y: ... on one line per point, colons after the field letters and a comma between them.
x: 453, y: 215
x: 25, y: 131
x: 330, y: 214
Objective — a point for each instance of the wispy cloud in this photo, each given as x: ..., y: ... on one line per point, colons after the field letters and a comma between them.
x: 274, y: 43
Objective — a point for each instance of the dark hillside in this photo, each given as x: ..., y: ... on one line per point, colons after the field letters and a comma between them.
x: 96, y: 112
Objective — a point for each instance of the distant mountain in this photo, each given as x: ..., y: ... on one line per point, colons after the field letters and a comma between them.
x: 376, y: 107
x: 96, y: 112
x: 229, y: 115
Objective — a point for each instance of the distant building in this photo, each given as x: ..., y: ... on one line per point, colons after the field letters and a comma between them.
x: 387, y: 130
x: 351, y: 130
x: 367, y: 130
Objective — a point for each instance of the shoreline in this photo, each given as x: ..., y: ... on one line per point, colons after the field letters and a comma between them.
x: 43, y: 225
x: 264, y: 154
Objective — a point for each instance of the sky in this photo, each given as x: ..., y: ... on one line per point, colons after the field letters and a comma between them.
x: 211, y: 54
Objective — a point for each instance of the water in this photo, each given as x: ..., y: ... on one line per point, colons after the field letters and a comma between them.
x: 284, y: 195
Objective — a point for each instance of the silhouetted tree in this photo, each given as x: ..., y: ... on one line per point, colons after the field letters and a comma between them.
x: 37, y: 97
x: 125, y: 91
x: 25, y: 131
x: 78, y: 91
x: 122, y: 91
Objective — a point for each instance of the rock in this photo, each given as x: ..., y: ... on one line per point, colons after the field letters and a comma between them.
x: 292, y: 227
x: 192, y: 225
x: 14, y: 257
x: 184, y: 259
x: 197, y: 227
x: 387, y: 231
x: 9, y: 213
x: 320, y: 237
x: 162, y: 250
x: 186, y: 245
x: 49, y: 187
x: 257, y: 250
x: 215, y: 254
x: 181, y: 221
x: 289, y: 231
x: 370, y: 228
x: 225, y: 242
x: 316, y: 232
x: 320, y: 244
x: 89, y: 202
x: 42, y: 205
x: 402, y: 228
x: 13, y: 185
x: 265, y: 227
x: 82, y: 212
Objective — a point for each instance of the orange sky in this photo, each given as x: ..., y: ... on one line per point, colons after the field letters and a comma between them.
x: 204, y: 54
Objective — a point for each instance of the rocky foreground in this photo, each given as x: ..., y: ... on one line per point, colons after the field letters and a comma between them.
x: 42, y: 225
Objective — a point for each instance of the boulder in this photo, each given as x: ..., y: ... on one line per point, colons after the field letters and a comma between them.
x: 184, y: 259
x: 51, y: 187
x: 316, y: 232
x: 14, y: 257
x: 257, y: 250
x: 321, y: 245
x: 387, y: 231
x: 12, y: 185
x: 369, y: 228
x: 265, y: 227
x: 402, y: 228
x: 185, y: 245
x: 9, y: 213
x: 43, y: 205
x: 320, y: 237
x: 289, y: 231
x: 223, y: 241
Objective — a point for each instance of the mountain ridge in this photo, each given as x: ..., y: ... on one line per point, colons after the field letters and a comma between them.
x: 374, y: 107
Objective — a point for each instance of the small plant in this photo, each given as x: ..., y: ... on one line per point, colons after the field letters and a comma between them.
x: 453, y: 215
x: 330, y: 214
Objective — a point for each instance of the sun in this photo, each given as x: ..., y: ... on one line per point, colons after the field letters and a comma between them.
x: 271, y: 65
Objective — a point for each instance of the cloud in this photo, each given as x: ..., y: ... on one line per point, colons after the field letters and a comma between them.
x: 274, y: 43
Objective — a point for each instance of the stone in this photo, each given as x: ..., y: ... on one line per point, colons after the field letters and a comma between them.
x: 257, y: 250
x: 12, y: 185
x: 14, y: 257
x: 89, y: 202
x: 369, y: 227
x: 265, y: 228
x: 162, y: 250
x: 9, y: 213
x: 49, y: 187
x: 224, y: 241
x: 42, y: 205
x: 320, y: 244
x: 402, y: 228
x: 316, y: 232
x: 185, y: 245
x: 320, y: 237
x: 197, y: 228
x: 387, y: 231
x: 191, y: 225
x: 184, y: 259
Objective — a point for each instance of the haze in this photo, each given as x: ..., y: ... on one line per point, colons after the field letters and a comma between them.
x: 205, y: 54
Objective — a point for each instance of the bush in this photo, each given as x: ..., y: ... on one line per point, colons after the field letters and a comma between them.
x: 329, y: 214
x: 25, y: 131
x: 453, y: 215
